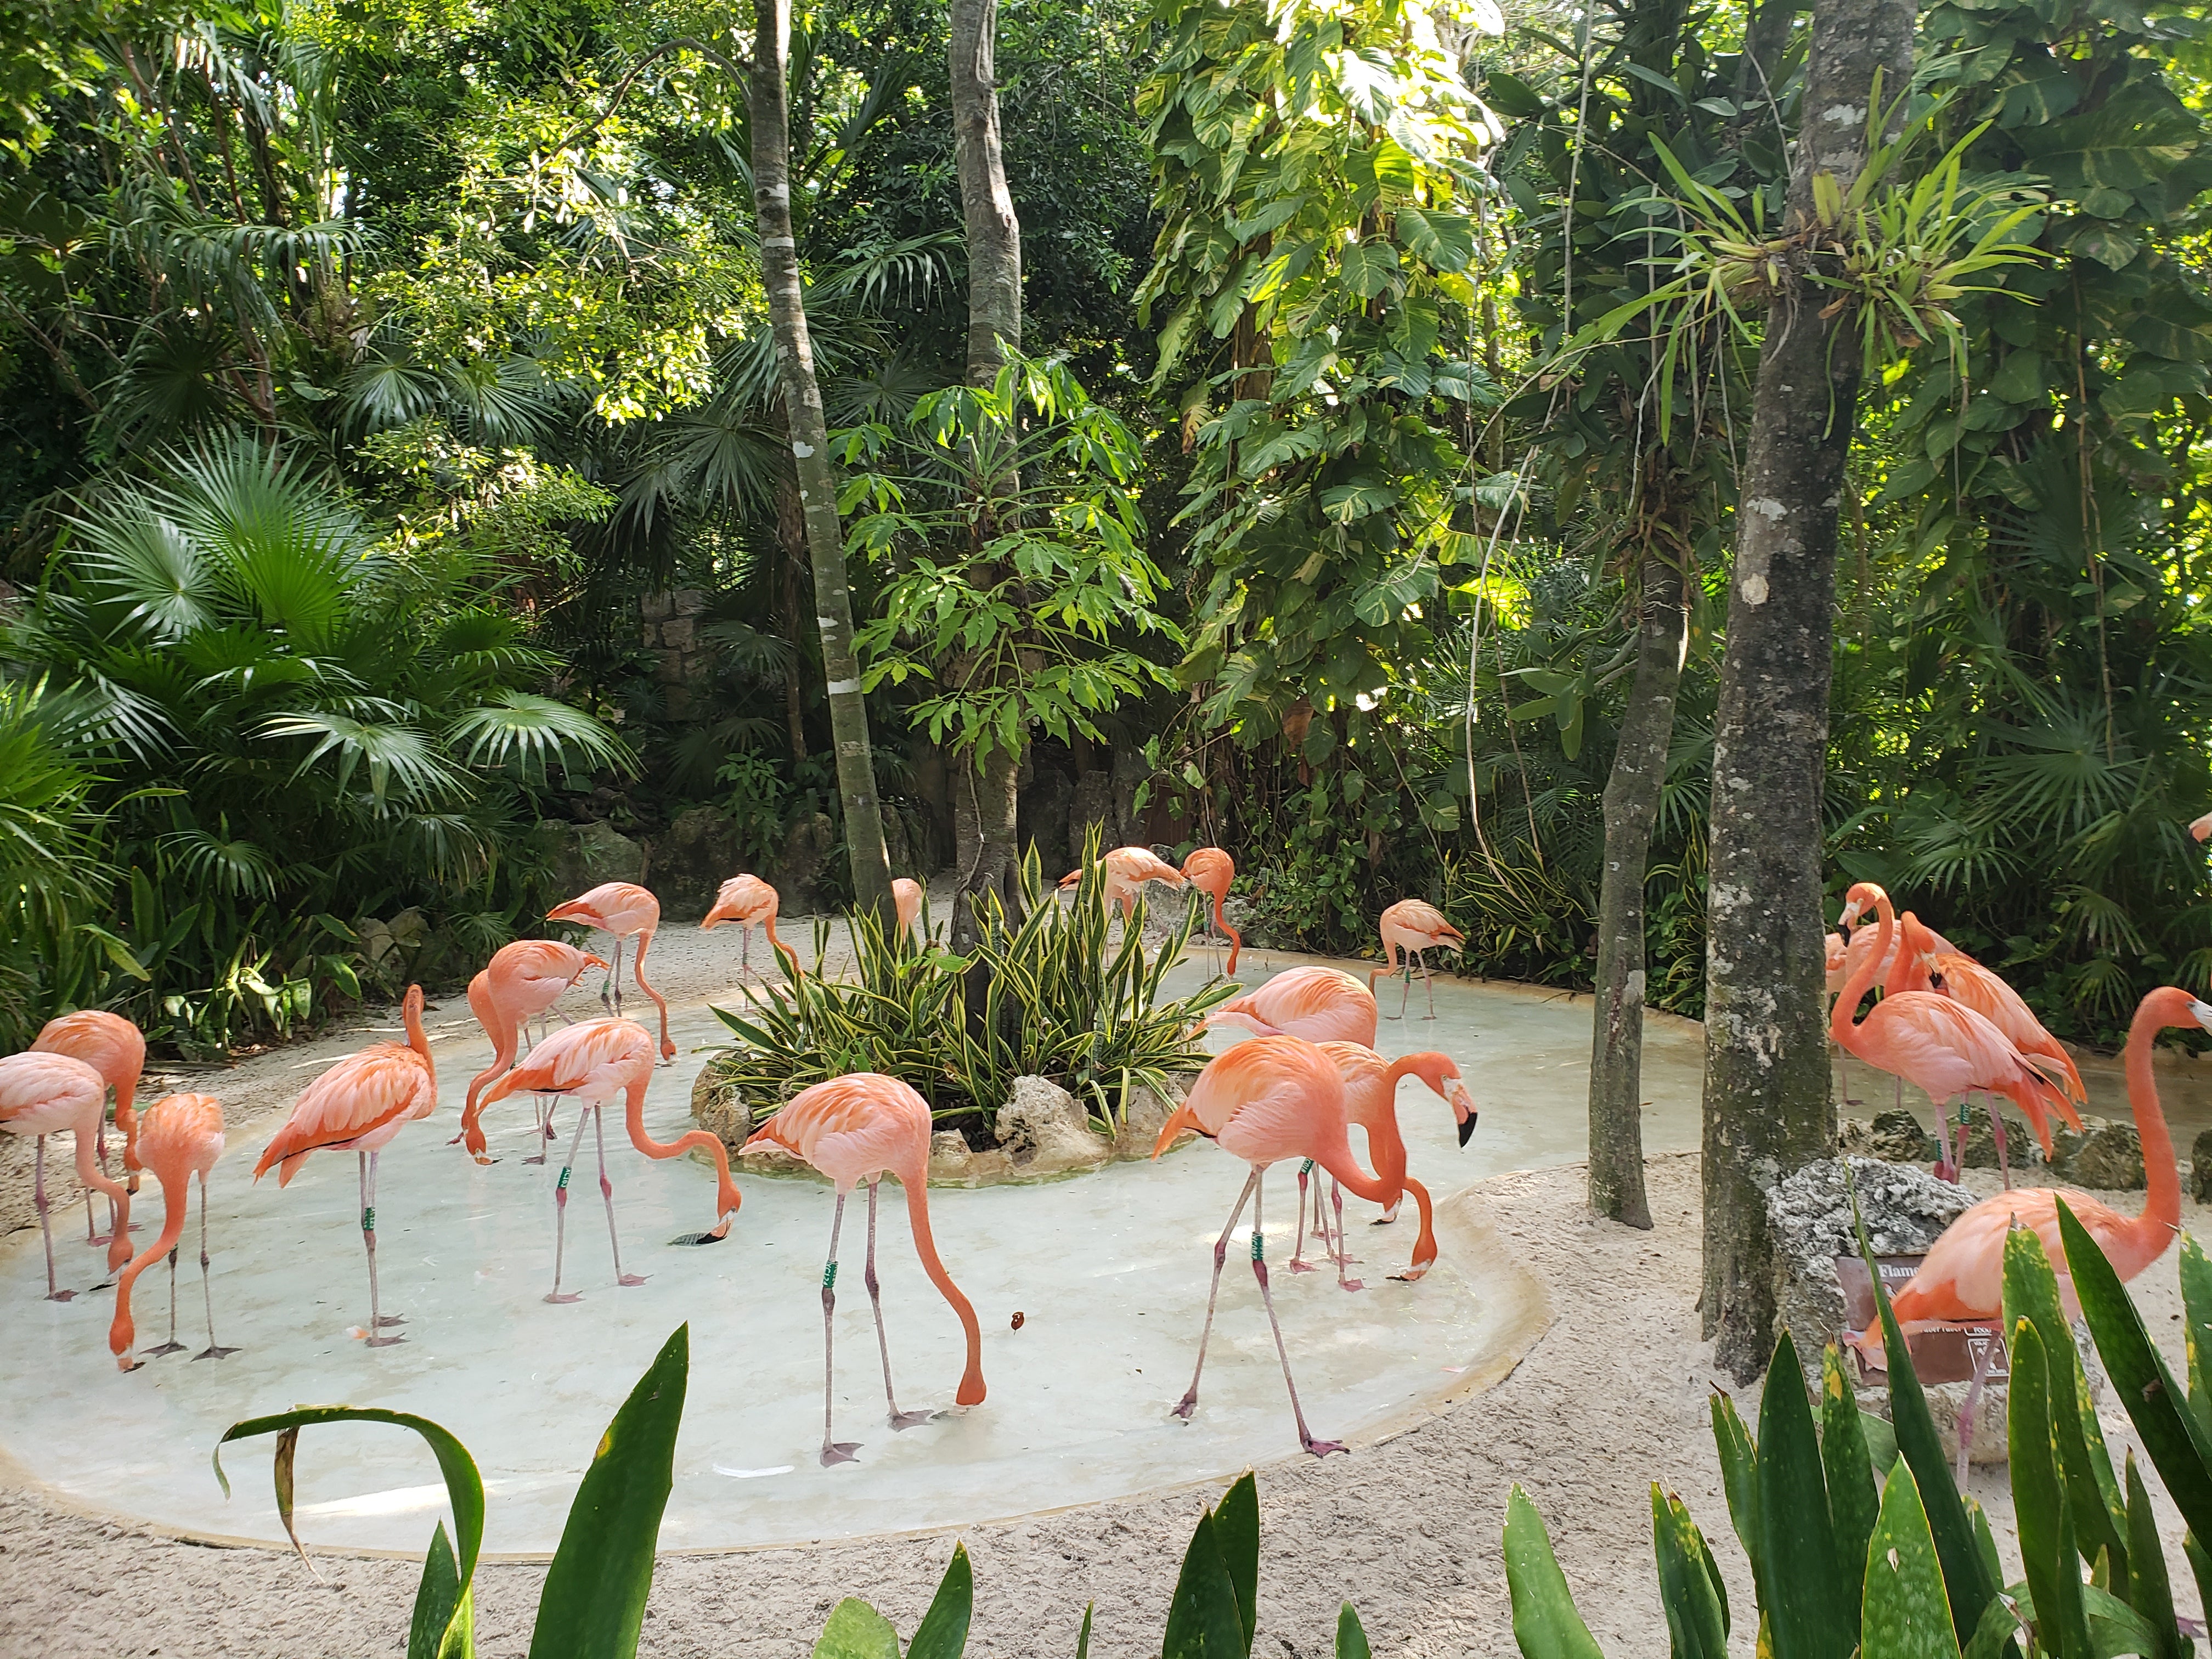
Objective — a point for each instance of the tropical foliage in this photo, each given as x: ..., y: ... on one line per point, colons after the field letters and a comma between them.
x: 1065, y: 999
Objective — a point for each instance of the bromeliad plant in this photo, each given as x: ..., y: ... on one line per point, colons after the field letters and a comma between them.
x: 1064, y: 1001
x: 593, y: 1602
x: 1857, y: 1533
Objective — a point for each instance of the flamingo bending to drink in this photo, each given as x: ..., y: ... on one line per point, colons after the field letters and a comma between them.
x: 1414, y: 926
x: 1126, y: 869
x: 1370, y: 1102
x: 115, y: 1048
x: 180, y: 1138
x: 750, y: 902
x: 906, y: 899
x: 1275, y: 1098
x: 1321, y: 1005
x: 1209, y: 871
x: 45, y: 1094
x: 594, y: 1061
x: 358, y: 1106
x: 860, y: 1128
x: 1941, y: 1047
x: 524, y: 979
x: 623, y: 910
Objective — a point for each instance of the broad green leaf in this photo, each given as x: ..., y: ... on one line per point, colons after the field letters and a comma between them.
x: 443, y: 1623
x: 2150, y: 1593
x: 1853, y: 1501
x: 943, y: 1632
x: 1739, y: 1458
x: 856, y: 1631
x: 1236, y: 1529
x: 1204, y: 1621
x: 1445, y: 241
x: 1546, y: 1625
x: 593, y: 1602
x: 1351, y: 1635
x: 1801, y: 1583
x: 1904, y: 1614
x: 2197, y: 1326
x: 1697, y: 1624
x: 2040, y: 1499
x: 2031, y: 1291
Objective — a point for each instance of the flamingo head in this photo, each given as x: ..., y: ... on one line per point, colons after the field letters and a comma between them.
x: 2172, y: 1006
x: 1441, y: 1073
x: 1071, y: 879
x: 1864, y: 897
x: 585, y: 962
x: 2202, y: 828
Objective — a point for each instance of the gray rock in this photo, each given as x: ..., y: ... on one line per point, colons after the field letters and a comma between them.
x: 1895, y: 1137
x: 2104, y: 1155
x: 1043, y: 1131
x: 950, y: 1158
x: 696, y: 855
x: 582, y: 855
x: 1143, y: 1114
x: 2022, y: 1149
x: 2200, y: 1167
x: 1905, y: 1209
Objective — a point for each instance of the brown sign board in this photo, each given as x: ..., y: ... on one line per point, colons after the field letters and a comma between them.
x: 1940, y: 1353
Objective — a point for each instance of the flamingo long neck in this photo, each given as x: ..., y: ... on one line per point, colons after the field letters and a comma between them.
x: 769, y: 924
x: 916, y: 1182
x: 1386, y: 1144
x: 727, y: 1198
x: 1841, y: 1025
x: 175, y: 1199
x: 1335, y: 1156
x: 2153, y: 1229
x: 637, y: 971
x: 505, y: 1036
x: 410, y: 1011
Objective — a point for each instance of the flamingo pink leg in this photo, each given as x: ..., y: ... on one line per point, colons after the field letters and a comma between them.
x: 899, y: 1419
x: 378, y: 1321
x: 46, y: 1227
x: 561, y: 1213
x: 833, y: 1451
x: 1318, y: 1447
x: 607, y: 1194
x: 1189, y: 1402
x: 1298, y: 1262
x: 1428, y: 983
x: 212, y: 1351
x: 614, y: 980
x: 1974, y: 1401
x: 545, y: 1106
x: 172, y: 1345
x: 1343, y: 1256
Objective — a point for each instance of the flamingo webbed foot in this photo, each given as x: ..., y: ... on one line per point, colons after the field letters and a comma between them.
x: 562, y: 1298
x: 1299, y: 1267
x: 627, y: 1279
x: 166, y: 1348
x: 61, y: 1296
x: 911, y: 1420
x: 215, y: 1353
x: 1351, y: 1284
x: 385, y: 1341
x: 538, y: 1158
x: 1323, y: 1447
x: 1186, y: 1405
x: 840, y: 1452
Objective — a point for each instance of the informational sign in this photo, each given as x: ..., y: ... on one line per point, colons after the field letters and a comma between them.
x: 1947, y: 1353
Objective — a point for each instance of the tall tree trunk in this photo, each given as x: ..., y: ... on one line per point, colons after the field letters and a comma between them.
x: 1631, y: 805
x: 994, y: 234
x: 810, y: 451
x: 995, y: 324
x: 790, y: 534
x: 1767, y: 1110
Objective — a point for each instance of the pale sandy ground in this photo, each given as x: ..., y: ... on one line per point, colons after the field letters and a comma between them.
x: 1612, y: 1398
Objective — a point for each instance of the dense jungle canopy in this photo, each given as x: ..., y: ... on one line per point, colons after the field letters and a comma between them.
x: 393, y: 464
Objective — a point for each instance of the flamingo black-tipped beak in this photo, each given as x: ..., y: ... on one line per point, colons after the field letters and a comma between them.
x: 1466, y: 1128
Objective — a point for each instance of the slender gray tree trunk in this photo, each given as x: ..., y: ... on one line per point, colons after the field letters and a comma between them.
x: 1767, y: 1110
x: 1632, y: 806
x: 810, y: 450
x: 986, y: 206
x: 995, y: 324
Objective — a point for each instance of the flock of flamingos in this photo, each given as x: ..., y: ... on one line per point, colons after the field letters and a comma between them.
x: 1943, y: 1022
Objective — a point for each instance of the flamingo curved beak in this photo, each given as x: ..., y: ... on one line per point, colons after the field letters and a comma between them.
x: 1463, y: 1109
x: 1851, y: 916
x: 2202, y: 1013
x: 590, y: 963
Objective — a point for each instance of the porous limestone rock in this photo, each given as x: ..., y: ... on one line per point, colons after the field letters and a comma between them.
x: 2200, y: 1168
x: 2022, y: 1149
x: 1894, y: 1136
x: 2102, y: 1156
x: 691, y: 860
x: 1905, y: 1210
x: 1044, y: 1132
x: 1143, y: 1114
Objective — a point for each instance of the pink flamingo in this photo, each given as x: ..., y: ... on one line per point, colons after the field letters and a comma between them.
x: 115, y: 1048
x: 594, y: 1061
x: 1275, y: 1098
x: 42, y: 1095
x: 1414, y: 926
x: 1128, y: 868
x: 2202, y: 828
x: 1962, y: 1275
x: 860, y: 1128
x: 906, y: 896
x: 1941, y: 1047
x: 1370, y: 1102
x: 523, y: 979
x: 1962, y: 979
x: 1321, y: 1005
x: 750, y: 902
x: 1210, y: 871
x: 1900, y: 970
x: 622, y: 908
x: 358, y: 1106
x: 181, y: 1136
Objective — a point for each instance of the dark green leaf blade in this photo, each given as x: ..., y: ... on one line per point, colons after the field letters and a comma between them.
x: 1906, y: 1614
x: 1546, y: 1625
x: 943, y: 1632
x: 1800, y: 1579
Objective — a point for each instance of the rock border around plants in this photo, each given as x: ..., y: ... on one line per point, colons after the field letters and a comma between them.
x: 1042, y: 1131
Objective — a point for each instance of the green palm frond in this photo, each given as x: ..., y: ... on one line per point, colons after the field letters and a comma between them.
x: 532, y: 732
x: 224, y: 863
x: 403, y: 768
